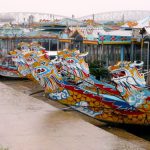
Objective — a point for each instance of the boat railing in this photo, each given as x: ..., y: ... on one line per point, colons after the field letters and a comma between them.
x: 83, y: 80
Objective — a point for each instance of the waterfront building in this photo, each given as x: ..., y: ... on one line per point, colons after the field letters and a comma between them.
x: 11, y: 36
x: 109, y: 46
x: 101, y: 45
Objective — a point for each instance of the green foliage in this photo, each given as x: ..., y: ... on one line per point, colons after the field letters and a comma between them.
x: 98, y: 69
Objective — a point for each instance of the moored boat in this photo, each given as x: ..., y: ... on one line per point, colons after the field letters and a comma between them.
x: 67, y: 80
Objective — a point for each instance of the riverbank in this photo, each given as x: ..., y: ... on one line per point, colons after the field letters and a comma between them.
x: 35, y: 123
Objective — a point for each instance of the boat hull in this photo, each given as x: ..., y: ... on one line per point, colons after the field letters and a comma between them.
x: 102, y: 107
x: 7, y: 72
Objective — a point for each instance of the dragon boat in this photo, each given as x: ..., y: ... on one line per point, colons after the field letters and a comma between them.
x: 8, y: 67
x: 67, y: 79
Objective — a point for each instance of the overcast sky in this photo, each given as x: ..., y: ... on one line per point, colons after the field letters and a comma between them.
x: 69, y: 7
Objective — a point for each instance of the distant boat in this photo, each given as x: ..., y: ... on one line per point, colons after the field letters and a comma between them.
x: 8, y: 68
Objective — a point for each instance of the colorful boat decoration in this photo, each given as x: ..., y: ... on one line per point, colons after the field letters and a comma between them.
x: 8, y: 67
x: 67, y: 80
x: 11, y: 64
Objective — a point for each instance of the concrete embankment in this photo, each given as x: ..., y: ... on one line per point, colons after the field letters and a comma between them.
x: 27, y: 123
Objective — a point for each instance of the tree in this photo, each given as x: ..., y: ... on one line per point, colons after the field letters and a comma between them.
x: 98, y: 69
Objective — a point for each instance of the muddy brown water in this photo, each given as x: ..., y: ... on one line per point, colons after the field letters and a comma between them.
x: 136, y: 134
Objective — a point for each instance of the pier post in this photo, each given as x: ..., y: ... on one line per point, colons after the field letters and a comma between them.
x: 122, y: 54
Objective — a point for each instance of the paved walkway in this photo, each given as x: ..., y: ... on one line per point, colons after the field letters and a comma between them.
x: 27, y: 123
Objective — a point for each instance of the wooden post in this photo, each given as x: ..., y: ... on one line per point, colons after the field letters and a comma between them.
x: 57, y: 45
x: 122, y: 54
x: 142, y: 47
x: 49, y: 44
x: 148, y: 78
x: 132, y: 48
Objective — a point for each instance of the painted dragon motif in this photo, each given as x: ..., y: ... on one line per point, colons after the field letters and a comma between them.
x: 131, y: 84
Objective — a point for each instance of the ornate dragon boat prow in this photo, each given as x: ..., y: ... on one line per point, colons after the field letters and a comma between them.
x: 131, y: 84
x: 128, y: 72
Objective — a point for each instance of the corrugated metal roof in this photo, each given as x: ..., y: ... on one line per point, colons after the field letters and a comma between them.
x: 21, y: 32
x: 92, y: 33
x: 88, y: 32
x: 120, y: 33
